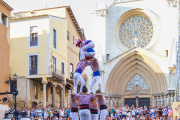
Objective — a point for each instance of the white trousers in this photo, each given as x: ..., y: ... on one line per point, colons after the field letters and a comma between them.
x: 74, y: 115
x: 94, y: 116
x: 94, y: 80
x: 85, y: 114
x: 78, y: 77
x: 83, y: 52
x: 103, y: 114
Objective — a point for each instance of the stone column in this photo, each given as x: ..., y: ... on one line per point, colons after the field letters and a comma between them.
x: 44, y: 92
x: 61, y: 97
x: 72, y: 89
x: 172, y: 98
x: 69, y: 98
x: 107, y: 100
x: 115, y: 101
x: 168, y: 99
x: 111, y: 101
x: 119, y: 102
x: 161, y: 98
x: 156, y: 100
x: 137, y: 101
x: 165, y: 99
x: 53, y: 95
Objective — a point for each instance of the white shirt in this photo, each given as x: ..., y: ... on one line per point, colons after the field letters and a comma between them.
x: 152, y: 110
x: 124, y: 111
x: 133, y: 112
x: 39, y: 112
x: 62, y: 113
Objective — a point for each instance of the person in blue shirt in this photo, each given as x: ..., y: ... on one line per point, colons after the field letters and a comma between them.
x: 112, y: 111
x: 68, y: 112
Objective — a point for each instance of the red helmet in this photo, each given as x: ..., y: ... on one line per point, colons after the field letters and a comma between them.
x: 78, y: 41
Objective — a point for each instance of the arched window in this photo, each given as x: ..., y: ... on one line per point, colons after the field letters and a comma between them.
x: 137, y: 85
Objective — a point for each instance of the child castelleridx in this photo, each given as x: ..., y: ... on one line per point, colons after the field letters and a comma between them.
x: 86, y: 49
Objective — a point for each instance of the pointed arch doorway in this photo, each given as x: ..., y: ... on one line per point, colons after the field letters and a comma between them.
x: 137, y: 87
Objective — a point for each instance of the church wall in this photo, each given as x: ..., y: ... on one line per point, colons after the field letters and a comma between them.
x: 166, y: 16
x: 167, y: 22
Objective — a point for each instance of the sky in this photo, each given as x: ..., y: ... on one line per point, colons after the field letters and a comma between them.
x: 82, y: 9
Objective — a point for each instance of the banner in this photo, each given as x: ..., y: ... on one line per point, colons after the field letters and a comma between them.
x: 176, y: 110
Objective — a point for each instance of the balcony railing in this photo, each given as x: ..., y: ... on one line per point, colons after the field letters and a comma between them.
x: 33, y: 71
x: 33, y: 43
x: 56, y: 73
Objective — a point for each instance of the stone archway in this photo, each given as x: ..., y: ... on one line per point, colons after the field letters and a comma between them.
x: 136, y: 63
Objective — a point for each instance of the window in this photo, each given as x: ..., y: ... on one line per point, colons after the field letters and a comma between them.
x: 166, y: 53
x: 71, y: 71
x: 33, y: 65
x: 4, y: 20
x: 73, y: 40
x: 54, y: 38
x: 67, y: 35
x: 108, y: 56
x: 53, y: 64
x: 62, y: 67
x: 71, y: 67
x: 136, y: 30
x: 13, y: 84
x: 34, y: 36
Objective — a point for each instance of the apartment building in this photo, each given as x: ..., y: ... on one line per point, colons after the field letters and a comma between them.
x: 43, y: 55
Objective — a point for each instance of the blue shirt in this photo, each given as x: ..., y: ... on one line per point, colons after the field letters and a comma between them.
x: 68, y: 111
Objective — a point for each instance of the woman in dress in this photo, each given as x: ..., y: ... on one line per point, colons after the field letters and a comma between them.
x: 170, y: 114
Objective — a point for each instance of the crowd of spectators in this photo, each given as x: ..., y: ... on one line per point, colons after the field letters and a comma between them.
x: 141, y: 113
x: 114, y: 113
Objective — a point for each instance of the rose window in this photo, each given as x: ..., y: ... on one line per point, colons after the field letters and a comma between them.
x: 136, y: 31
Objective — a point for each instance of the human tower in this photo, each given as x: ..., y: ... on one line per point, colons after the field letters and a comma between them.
x: 87, y: 103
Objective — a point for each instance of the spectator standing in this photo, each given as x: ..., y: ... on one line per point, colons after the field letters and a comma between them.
x: 134, y: 112
x: 152, y: 111
x: 121, y: 112
x: 68, y: 112
x: 156, y: 110
x: 160, y: 112
x: 45, y: 114
x: 112, y: 111
x: 124, y: 112
x: 170, y: 114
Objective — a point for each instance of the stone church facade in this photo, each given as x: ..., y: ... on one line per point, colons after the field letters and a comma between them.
x: 136, y: 45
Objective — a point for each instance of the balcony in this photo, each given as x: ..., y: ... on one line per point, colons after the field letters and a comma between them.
x: 56, y: 74
x: 33, y: 71
x: 33, y: 43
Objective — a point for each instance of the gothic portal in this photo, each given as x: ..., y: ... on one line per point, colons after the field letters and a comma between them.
x: 136, y: 46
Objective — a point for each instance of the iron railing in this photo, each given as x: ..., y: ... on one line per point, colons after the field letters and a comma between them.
x: 33, y: 71
x: 56, y: 73
x: 34, y: 43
